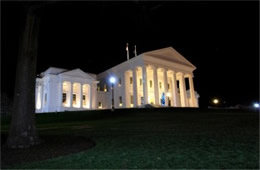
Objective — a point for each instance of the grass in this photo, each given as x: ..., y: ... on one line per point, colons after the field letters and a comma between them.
x: 155, y: 138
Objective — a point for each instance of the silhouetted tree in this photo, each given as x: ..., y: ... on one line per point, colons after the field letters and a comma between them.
x: 22, y: 132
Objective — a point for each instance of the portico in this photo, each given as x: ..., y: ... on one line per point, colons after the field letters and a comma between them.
x: 147, y: 84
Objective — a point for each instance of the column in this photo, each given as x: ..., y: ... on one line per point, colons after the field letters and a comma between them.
x: 135, y: 92
x: 91, y: 96
x: 192, y: 92
x: 175, y: 97
x: 127, y: 84
x: 137, y: 87
x: 60, y: 96
x: 71, y: 93
x: 155, y: 79
x: 183, y: 91
x: 145, y: 89
x: 165, y: 78
x: 80, y: 95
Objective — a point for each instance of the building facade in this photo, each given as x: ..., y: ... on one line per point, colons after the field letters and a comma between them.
x: 161, y: 77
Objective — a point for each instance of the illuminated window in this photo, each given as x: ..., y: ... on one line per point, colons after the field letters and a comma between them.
x: 99, y: 105
x: 151, y: 83
x: 66, y: 86
x: 131, y: 80
x: 119, y: 82
x: 84, y: 99
x: 120, y: 101
x: 132, y: 100
x: 74, y: 98
x: 86, y: 96
x: 105, y: 87
x: 64, y: 98
x: 160, y: 85
x: 141, y: 82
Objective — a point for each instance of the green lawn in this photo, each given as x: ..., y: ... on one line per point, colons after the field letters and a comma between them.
x: 155, y: 138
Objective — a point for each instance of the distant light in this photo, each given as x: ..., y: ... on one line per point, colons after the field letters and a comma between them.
x: 256, y: 105
x: 215, y: 101
x: 112, y: 80
x: 168, y: 94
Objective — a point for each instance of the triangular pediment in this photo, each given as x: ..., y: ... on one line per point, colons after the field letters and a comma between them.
x: 77, y: 73
x: 169, y: 54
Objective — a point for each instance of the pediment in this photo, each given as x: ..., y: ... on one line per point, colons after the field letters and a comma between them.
x: 169, y: 54
x: 77, y: 73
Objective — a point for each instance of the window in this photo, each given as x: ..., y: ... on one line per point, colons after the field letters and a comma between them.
x: 66, y: 90
x: 64, y: 98
x: 142, y: 100
x: 151, y: 83
x: 84, y: 99
x: 160, y: 85
x: 98, y: 87
x: 105, y: 87
x: 119, y: 82
x: 141, y: 82
x: 99, y: 105
x: 74, y: 99
x: 131, y: 80
x: 45, y: 99
x: 131, y: 101
x: 120, y: 101
x: 168, y: 86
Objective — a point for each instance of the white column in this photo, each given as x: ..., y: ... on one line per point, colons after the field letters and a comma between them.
x: 175, y: 97
x: 145, y: 83
x: 192, y: 92
x: 127, y: 85
x: 165, y: 78
x: 155, y: 79
x: 137, y: 87
x: 183, y: 91
x: 135, y: 92
x: 92, y: 99
x: 80, y: 95
x: 71, y: 93
x: 60, y: 106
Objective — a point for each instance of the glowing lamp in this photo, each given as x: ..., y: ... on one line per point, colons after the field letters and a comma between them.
x: 215, y: 101
x: 112, y: 80
x: 256, y: 105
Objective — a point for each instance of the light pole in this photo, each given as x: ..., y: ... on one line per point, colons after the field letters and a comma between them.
x: 112, y: 81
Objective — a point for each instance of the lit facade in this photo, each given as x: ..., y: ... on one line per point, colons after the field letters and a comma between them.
x: 145, y: 79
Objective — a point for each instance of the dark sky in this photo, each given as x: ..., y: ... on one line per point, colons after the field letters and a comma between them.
x: 220, y: 38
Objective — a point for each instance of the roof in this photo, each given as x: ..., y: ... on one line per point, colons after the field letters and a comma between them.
x: 169, y: 54
x: 75, y: 73
x: 53, y: 70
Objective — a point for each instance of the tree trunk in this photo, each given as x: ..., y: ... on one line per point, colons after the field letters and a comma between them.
x: 22, y: 132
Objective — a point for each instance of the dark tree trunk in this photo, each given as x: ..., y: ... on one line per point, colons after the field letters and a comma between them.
x: 22, y: 132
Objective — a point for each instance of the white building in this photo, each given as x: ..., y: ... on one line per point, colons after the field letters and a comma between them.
x: 140, y: 80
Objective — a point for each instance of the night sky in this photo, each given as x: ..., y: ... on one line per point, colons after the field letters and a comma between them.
x: 220, y: 38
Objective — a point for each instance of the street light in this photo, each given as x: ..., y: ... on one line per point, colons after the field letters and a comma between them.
x: 215, y: 101
x: 256, y: 105
x: 112, y: 81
